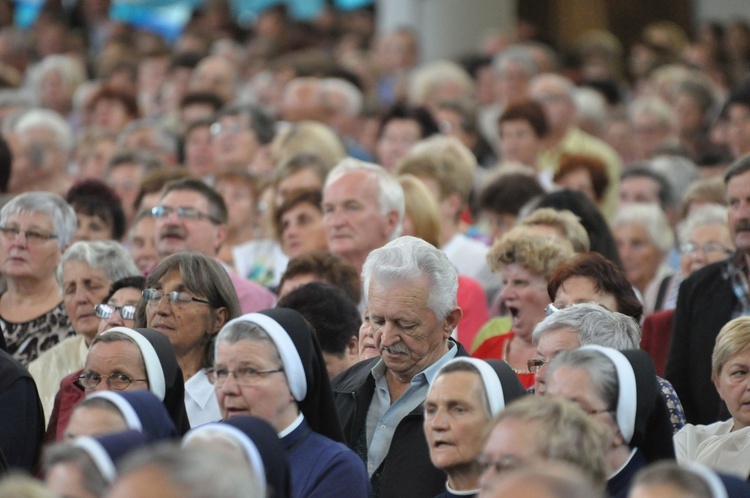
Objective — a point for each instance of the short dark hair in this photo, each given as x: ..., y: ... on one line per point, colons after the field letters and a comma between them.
x: 299, y: 196
x: 666, y: 198
x: 155, y: 181
x: 427, y: 124
x: 508, y: 193
x: 607, y: 277
x: 328, y: 268
x: 530, y: 111
x: 216, y: 206
x: 739, y: 167
x: 260, y: 122
x: 208, y: 98
x: 331, y: 312
x: 95, y: 198
x: 594, y: 166
x: 134, y: 282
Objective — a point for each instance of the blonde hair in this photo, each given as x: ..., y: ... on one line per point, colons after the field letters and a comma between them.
x: 309, y: 137
x: 565, y: 221
x: 444, y: 159
x: 733, y: 338
x: 421, y: 208
x: 564, y: 432
x: 536, y: 252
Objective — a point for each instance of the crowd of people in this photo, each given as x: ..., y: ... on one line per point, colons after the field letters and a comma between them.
x: 292, y: 259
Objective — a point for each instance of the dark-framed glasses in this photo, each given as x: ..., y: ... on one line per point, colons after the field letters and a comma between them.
x: 32, y: 236
x: 153, y: 296
x: 243, y: 376
x: 116, y: 381
x: 185, y: 213
x: 536, y: 364
x: 105, y: 311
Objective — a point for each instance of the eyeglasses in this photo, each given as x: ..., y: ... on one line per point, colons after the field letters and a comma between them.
x: 244, y: 376
x: 105, y: 311
x: 185, y: 213
x: 536, y: 364
x: 498, y: 466
x: 219, y: 128
x: 154, y: 296
x: 31, y: 236
x: 116, y: 381
x: 551, y: 309
x: 691, y: 248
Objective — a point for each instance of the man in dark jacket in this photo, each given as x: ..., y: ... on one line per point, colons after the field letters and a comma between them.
x: 708, y: 299
x: 410, y: 293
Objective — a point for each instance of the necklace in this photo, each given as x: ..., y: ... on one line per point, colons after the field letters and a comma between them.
x: 506, y: 349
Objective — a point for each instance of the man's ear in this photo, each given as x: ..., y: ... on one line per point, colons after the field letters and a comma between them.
x: 221, y: 236
x: 352, y: 347
x: 451, y: 321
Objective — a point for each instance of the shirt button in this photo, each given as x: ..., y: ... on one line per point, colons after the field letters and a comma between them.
x: 369, y: 466
x: 382, y: 427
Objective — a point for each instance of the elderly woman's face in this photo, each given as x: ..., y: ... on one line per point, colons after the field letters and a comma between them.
x: 454, y: 419
x: 264, y: 395
x: 519, y: 142
x: 511, y: 444
x: 576, y: 385
x: 525, y: 295
x: 25, y: 256
x: 733, y: 384
x: 83, y: 288
x: 639, y: 254
x: 187, y: 325
x: 707, y: 244
x: 120, y: 360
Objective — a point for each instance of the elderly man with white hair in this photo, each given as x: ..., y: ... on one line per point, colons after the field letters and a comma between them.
x: 363, y: 207
x: 410, y: 293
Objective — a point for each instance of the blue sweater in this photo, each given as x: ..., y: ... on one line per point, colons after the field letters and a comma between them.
x: 320, y: 467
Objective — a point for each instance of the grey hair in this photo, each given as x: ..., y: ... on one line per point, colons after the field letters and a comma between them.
x: 49, y: 120
x: 67, y: 453
x: 352, y: 95
x: 108, y: 256
x: 594, y: 324
x: 69, y: 67
x: 591, y: 105
x: 680, y: 172
x: 428, y: 76
x: 519, y: 54
x: 652, y: 218
x: 390, y: 192
x: 198, y: 471
x: 167, y: 141
x: 60, y: 213
x: 245, y: 331
x: 687, y: 481
x: 564, y: 84
x: 408, y: 259
x: 708, y: 214
x: 599, y: 368
x: 655, y: 106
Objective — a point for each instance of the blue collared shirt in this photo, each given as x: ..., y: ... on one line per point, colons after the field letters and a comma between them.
x: 383, y: 417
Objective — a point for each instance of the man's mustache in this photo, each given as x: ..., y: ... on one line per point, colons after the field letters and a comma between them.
x: 397, y: 348
x: 742, y: 226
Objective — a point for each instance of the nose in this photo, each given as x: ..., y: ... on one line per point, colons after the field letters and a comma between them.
x: 103, y: 386
x: 162, y: 306
x: 81, y: 296
x: 439, y: 420
x: 507, y: 292
x: 387, y: 336
x: 115, y: 320
x: 486, y: 477
x: 230, y: 386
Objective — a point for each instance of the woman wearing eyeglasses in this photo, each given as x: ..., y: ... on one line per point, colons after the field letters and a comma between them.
x: 88, y: 270
x: 269, y: 365
x: 125, y: 359
x: 35, y: 229
x: 188, y: 298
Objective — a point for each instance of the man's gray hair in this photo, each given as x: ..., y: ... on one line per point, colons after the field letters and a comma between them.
x: 197, y: 471
x: 518, y: 54
x: 166, y: 141
x: 594, y: 324
x: 407, y: 259
x: 353, y: 98
x: 60, y: 213
x: 708, y: 214
x: 109, y: 256
x: 390, y: 192
x: 48, y: 120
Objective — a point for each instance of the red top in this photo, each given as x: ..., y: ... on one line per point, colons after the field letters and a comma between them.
x: 472, y: 299
x: 657, y: 333
x: 67, y: 398
x: 492, y: 349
